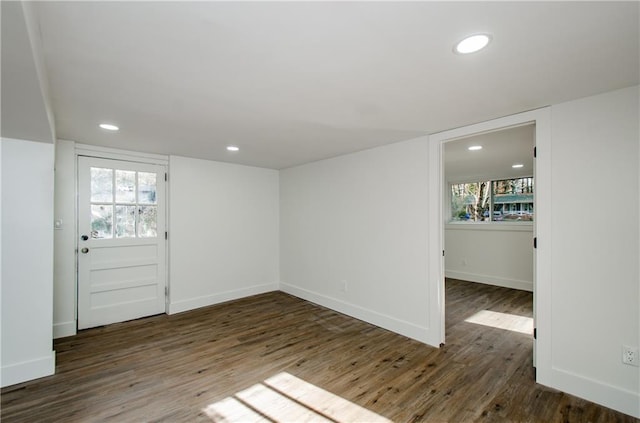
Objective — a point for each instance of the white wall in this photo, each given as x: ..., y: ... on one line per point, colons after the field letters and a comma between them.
x: 223, y: 232
x: 595, y: 247
x: 64, y: 277
x: 26, y: 106
x: 225, y: 211
x: 497, y: 254
x: 360, y: 219
x: 27, y: 260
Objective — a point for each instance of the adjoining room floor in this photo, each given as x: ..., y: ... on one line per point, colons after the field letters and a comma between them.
x: 274, y: 357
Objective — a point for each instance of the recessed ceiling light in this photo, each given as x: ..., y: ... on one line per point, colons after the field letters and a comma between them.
x: 517, y: 166
x: 108, y: 127
x: 232, y: 148
x: 472, y: 44
x: 475, y: 148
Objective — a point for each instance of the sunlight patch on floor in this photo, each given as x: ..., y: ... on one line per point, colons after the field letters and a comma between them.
x: 286, y: 398
x: 505, y: 321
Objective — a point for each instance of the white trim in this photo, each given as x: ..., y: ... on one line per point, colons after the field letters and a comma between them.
x: 435, y: 241
x: 485, y: 177
x: 619, y: 399
x: 542, y: 275
x: 541, y: 226
x: 506, y: 122
x: 64, y: 329
x: 117, y: 154
x: 401, y: 327
x: 490, y: 280
x: 207, y: 300
x: 167, y: 244
x: 486, y: 226
x: 28, y: 370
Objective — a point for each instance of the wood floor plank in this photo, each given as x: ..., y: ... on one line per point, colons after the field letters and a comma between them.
x: 274, y: 357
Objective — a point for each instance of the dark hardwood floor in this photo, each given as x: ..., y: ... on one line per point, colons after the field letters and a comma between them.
x: 274, y: 357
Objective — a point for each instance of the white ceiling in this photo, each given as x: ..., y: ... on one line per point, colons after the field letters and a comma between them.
x: 294, y: 82
x: 500, y: 150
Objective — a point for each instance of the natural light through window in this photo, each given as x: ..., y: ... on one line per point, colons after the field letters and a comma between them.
x: 506, y: 200
x: 286, y: 398
x: 505, y: 321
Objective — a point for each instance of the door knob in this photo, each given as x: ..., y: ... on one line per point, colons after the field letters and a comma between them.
x: 85, y: 250
x: 84, y: 237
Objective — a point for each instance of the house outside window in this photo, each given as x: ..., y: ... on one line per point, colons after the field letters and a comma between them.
x: 509, y: 200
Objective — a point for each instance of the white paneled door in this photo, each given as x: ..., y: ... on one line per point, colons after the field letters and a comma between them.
x: 121, y: 245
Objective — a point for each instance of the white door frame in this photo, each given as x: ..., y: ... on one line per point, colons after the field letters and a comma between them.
x: 124, y: 155
x: 542, y: 227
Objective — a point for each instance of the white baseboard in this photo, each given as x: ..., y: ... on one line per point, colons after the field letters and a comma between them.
x: 28, y: 370
x: 490, y: 280
x: 207, y: 300
x: 401, y: 327
x: 622, y: 400
x: 61, y: 330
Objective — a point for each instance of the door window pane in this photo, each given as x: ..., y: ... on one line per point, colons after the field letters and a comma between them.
x: 101, y: 221
x: 146, y: 188
x: 123, y: 204
x: 125, y: 221
x: 147, y: 221
x: 101, y: 185
x: 125, y: 186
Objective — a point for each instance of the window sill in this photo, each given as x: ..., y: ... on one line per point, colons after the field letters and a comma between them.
x: 490, y: 226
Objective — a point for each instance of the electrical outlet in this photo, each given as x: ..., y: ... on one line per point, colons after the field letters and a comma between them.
x: 630, y: 356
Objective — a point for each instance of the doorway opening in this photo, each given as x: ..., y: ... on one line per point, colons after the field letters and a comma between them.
x: 504, y: 201
x: 489, y: 218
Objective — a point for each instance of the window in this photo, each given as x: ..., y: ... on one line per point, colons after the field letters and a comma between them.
x: 470, y: 202
x: 513, y: 199
x: 123, y: 204
x: 493, y: 201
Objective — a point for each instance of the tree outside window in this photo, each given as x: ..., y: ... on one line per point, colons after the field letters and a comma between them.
x: 493, y: 201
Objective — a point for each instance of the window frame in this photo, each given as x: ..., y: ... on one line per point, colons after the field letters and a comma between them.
x: 449, y: 197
